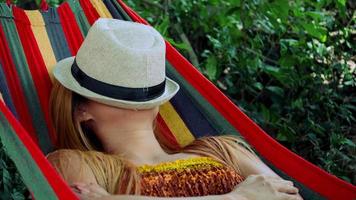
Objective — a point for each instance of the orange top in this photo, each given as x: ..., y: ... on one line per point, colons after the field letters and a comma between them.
x: 188, y: 177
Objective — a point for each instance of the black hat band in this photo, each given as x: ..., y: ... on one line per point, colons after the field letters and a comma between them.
x: 114, y: 91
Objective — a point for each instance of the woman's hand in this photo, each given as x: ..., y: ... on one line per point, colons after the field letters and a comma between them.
x: 88, y: 191
x: 257, y: 187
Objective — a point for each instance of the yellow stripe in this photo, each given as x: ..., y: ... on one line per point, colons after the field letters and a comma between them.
x: 43, y: 42
x: 176, y: 124
x: 101, y: 8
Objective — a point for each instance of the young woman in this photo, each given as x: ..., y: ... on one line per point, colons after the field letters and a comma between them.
x: 104, y: 106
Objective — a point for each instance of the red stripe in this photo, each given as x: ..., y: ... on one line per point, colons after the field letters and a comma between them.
x: 166, y: 133
x: 70, y: 28
x: 44, y: 5
x: 14, y: 85
x: 303, y: 171
x: 36, y: 64
x: 54, y: 179
x: 89, y: 11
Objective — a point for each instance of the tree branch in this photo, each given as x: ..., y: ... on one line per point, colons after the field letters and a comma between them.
x: 192, y: 55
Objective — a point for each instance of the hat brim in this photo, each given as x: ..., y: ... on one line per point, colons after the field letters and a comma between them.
x: 62, y: 72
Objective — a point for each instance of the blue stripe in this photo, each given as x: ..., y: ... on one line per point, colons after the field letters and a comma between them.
x: 112, y: 9
x: 6, y: 92
x: 56, y: 34
x: 193, y: 118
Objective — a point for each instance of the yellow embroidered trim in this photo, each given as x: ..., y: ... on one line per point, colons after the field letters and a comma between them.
x: 192, y: 163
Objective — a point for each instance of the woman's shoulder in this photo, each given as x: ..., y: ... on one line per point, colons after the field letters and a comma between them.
x: 223, y: 142
x: 61, y: 151
x: 64, y: 159
x: 63, y: 154
x: 71, y: 164
x: 226, y: 138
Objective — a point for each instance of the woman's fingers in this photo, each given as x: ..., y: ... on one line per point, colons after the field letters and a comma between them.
x: 86, y: 191
x: 287, y: 189
x: 285, y: 196
x: 97, y: 189
x: 285, y: 186
x: 90, y: 188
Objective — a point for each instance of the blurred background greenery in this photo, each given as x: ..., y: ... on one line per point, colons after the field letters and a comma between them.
x: 289, y: 64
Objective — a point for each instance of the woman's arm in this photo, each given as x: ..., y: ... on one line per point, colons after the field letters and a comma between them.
x: 260, y: 183
x: 72, y: 168
x: 82, y: 180
x: 250, y: 164
x: 212, y: 197
x: 95, y: 192
x: 261, y: 178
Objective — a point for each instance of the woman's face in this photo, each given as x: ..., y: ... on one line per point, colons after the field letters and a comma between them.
x: 103, y: 114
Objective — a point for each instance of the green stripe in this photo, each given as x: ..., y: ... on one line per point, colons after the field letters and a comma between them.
x: 79, y: 16
x: 31, y: 174
x: 213, y: 116
x: 5, y: 91
x: 224, y: 127
x: 55, y: 34
x: 24, y: 74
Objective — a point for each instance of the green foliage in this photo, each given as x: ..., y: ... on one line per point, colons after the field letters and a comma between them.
x: 290, y: 65
x: 34, y: 4
x: 11, y: 185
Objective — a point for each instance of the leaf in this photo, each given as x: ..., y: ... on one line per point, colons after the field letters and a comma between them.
x: 270, y: 69
x: 316, y: 31
x: 280, y: 8
x: 265, y: 113
x: 297, y: 103
x: 349, y: 143
x: 6, y: 180
x: 163, y: 26
x: 17, y: 196
x: 276, y: 90
x: 181, y: 45
x: 281, y: 137
x: 287, y: 61
x: 216, y: 43
x: 342, y: 2
x: 351, y: 107
x: 287, y: 44
x: 258, y: 85
x: 38, y: 2
x: 315, y: 15
x: 211, y: 67
x: 275, y: 72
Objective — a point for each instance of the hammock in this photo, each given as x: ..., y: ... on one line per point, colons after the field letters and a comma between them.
x: 32, y: 41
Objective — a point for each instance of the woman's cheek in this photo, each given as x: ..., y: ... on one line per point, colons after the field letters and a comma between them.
x: 103, y: 112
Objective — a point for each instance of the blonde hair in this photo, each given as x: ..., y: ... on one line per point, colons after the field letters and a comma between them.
x: 116, y: 175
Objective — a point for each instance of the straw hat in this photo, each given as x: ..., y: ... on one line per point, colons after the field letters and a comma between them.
x: 121, y: 64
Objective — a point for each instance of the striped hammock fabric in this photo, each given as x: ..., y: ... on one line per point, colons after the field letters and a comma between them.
x: 32, y: 41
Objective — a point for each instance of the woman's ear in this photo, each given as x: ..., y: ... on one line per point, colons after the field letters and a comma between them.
x: 81, y: 113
